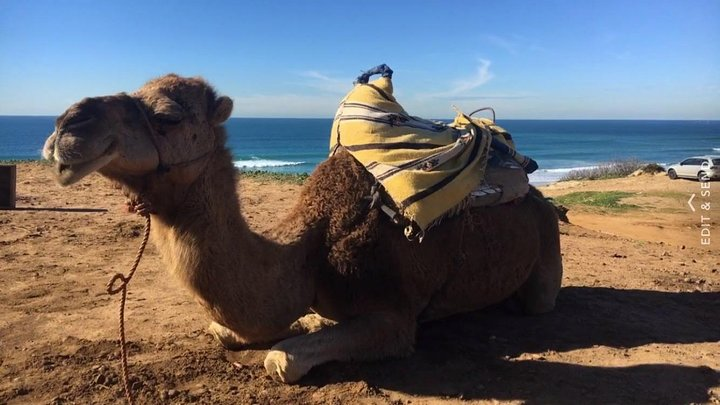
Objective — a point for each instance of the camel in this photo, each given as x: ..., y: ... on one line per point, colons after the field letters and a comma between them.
x: 336, y: 280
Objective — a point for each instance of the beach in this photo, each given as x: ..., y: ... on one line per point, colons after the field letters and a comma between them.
x: 637, y: 320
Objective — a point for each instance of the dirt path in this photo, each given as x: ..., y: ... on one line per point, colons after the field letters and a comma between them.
x: 638, y: 320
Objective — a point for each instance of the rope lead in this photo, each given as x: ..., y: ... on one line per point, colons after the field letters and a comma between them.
x: 125, y: 280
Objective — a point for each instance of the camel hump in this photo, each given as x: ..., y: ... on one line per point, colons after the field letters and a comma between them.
x: 427, y: 169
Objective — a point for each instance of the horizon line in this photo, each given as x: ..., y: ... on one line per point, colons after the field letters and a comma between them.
x: 447, y: 119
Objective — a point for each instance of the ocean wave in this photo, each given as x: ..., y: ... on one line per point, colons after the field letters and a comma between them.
x: 568, y: 169
x: 547, y: 176
x: 716, y: 149
x: 255, y: 163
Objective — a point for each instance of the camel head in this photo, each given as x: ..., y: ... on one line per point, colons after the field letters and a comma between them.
x: 170, y: 121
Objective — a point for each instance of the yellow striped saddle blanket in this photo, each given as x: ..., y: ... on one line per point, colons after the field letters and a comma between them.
x: 426, y: 167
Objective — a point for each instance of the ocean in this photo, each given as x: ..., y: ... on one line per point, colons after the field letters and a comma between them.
x: 298, y: 145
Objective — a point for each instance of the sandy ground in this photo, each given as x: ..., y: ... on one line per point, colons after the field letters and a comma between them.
x: 638, y: 319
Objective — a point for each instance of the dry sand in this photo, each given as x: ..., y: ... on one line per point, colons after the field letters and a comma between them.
x: 638, y: 319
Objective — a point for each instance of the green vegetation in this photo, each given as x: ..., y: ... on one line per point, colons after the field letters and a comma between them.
x: 19, y: 161
x: 611, y: 170
x: 259, y: 175
x: 599, y: 199
x: 653, y: 168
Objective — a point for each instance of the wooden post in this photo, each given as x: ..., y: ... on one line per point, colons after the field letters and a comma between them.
x: 8, y: 179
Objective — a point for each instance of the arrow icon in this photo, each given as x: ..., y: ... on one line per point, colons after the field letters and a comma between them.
x: 690, y: 202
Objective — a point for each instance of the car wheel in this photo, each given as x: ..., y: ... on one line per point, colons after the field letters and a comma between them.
x: 701, y: 176
x: 672, y: 174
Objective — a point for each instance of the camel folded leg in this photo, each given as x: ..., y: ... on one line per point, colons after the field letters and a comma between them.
x: 537, y: 295
x: 369, y: 337
x: 304, y: 325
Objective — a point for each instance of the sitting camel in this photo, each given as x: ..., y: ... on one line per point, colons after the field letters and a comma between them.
x: 333, y: 254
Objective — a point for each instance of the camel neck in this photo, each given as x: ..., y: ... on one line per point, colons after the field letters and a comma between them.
x: 207, y: 244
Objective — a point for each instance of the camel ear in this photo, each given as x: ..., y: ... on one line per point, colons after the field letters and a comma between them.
x: 222, y: 110
x: 165, y: 109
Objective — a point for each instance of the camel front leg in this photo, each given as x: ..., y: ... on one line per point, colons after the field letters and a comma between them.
x: 369, y: 337
x: 304, y: 325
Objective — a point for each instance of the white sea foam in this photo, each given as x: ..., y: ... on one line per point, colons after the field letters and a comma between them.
x: 541, y: 177
x: 716, y: 149
x: 569, y: 169
x: 546, y: 176
x: 257, y: 163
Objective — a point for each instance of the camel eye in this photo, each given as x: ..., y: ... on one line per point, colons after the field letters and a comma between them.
x: 78, y: 120
x: 167, y: 120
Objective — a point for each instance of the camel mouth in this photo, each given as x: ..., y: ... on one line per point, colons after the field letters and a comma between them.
x: 68, y: 174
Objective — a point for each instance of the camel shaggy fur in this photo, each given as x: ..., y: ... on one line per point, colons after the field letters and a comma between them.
x: 333, y: 255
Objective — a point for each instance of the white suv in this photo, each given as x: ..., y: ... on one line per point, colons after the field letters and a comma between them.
x: 702, y: 168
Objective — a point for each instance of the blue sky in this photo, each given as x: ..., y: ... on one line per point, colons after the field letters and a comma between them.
x: 528, y: 59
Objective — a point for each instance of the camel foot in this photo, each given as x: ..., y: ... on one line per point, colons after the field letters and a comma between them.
x: 232, y: 341
x: 284, y: 367
x: 308, y: 324
x: 368, y: 337
x: 227, y: 338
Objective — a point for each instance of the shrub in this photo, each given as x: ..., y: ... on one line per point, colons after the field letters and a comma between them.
x: 293, y: 178
x: 652, y: 168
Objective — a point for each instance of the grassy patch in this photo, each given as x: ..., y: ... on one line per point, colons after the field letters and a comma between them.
x: 611, y: 170
x: 598, y: 199
x: 259, y: 175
